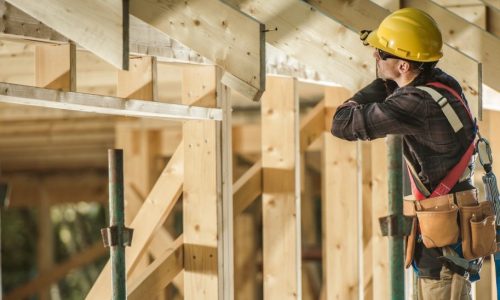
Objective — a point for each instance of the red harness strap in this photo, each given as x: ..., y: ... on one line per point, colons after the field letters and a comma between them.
x: 456, y: 172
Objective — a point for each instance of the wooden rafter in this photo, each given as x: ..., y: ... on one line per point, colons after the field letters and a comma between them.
x: 99, y: 26
x: 220, y: 33
x: 315, y: 39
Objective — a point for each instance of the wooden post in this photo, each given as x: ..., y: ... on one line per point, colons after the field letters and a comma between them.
x: 55, y: 68
x: 366, y: 171
x: 281, y: 190
x: 245, y: 266
x: 340, y: 208
x: 200, y: 189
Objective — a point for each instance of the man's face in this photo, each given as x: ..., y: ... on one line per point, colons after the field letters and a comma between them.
x: 386, y: 68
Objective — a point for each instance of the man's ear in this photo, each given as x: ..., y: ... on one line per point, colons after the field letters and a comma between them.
x: 404, y: 66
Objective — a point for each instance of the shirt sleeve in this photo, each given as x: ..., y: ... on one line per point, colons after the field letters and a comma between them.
x: 404, y: 112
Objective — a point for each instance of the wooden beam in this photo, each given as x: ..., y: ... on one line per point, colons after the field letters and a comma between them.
x: 281, y: 190
x: 340, y: 208
x: 493, y: 20
x: 200, y: 198
x: 151, y: 216
x: 247, y: 188
x: 55, y: 67
x: 359, y: 15
x: 245, y: 264
x: 143, y: 39
x: 312, y: 126
x: 158, y: 274
x: 45, y: 279
x: 339, y: 56
x: 99, y: 26
x: 25, y: 95
x: 229, y: 38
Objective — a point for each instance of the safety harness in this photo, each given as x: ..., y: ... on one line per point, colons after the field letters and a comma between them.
x: 460, y: 171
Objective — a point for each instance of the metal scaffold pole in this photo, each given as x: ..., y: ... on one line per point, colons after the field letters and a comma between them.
x: 396, y: 243
x: 117, y: 236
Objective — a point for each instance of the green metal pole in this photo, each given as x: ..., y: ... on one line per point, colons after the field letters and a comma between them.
x: 116, y: 219
x: 396, y: 246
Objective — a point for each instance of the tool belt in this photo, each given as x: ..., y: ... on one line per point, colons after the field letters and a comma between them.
x: 443, y: 220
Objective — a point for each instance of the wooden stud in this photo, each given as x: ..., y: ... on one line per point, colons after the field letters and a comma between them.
x: 367, y: 183
x: 200, y: 198
x: 312, y: 126
x: 281, y: 190
x: 101, y: 27
x: 340, y: 209
x: 224, y: 35
x: 245, y: 281
x: 151, y: 216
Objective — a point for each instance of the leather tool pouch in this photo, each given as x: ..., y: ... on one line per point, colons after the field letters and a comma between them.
x: 478, y: 230
x: 409, y: 211
x: 437, y: 218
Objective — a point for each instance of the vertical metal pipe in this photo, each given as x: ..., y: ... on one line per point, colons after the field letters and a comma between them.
x: 396, y: 247
x: 116, y: 219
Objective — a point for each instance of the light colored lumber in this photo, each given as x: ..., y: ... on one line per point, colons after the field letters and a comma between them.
x: 55, y: 274
x: 247, y: 138
x: 225, y: 210
x: 338, y: 56
x: 360, y: 15
x: 312, y: 126
x: 139, y: 81
x: 474, y: 13
x: 99, y: 26
x: 55, y: 67
x: 224, y: 35
x: 485, y: 286
x: 340, y: 207
x: 158, y: 274
x: 281, y: 190
x: 367, y: 230
x: 245, y: 265
x: 19, y: 94
x: 247, y: 188
x: 200, y: 198
x: 151, y: 216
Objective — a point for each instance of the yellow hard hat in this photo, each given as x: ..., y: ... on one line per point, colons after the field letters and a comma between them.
x: 408, y: 33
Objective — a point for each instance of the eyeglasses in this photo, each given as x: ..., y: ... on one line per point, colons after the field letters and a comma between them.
x: 384, y: 55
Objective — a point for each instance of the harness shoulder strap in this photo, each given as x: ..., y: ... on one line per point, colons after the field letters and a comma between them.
x: 448, y: 111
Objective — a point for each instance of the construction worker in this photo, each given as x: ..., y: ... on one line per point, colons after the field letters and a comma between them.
x: 413, y: 98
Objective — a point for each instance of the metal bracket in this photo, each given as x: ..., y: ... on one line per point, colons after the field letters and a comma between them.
x: 117, y: 236
x: 395, y: 225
